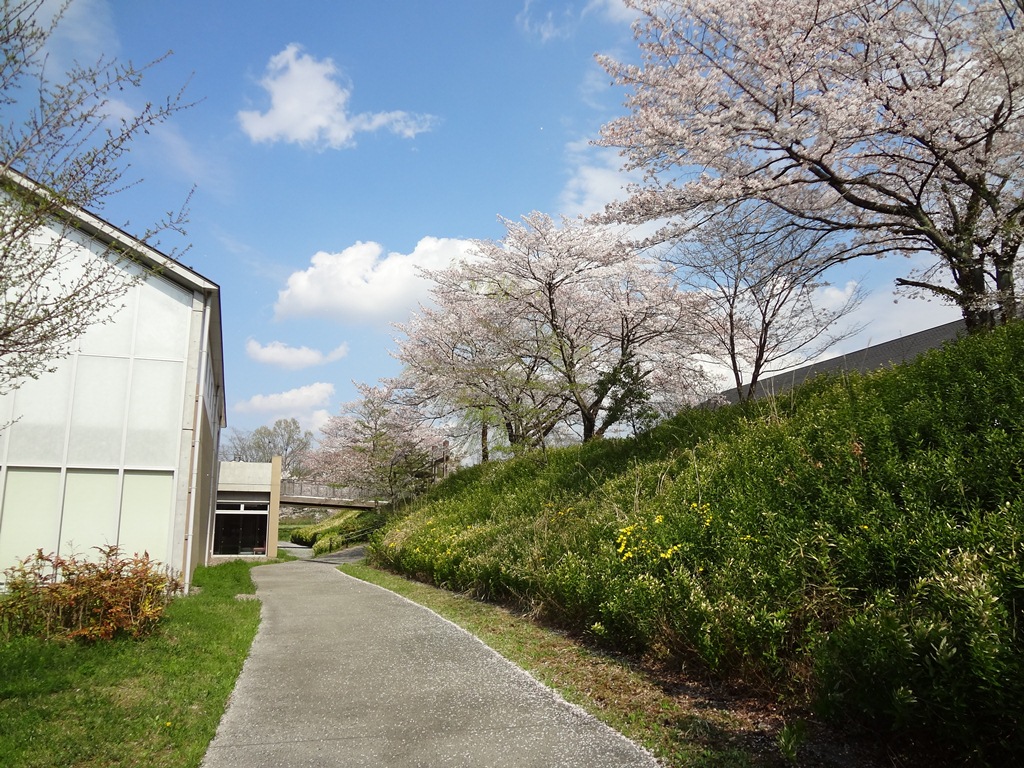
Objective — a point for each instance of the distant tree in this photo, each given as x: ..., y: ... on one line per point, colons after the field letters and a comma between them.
x: 763, y: 277
x: 62, y: 144
x: 901, y: 123
x: 285, y: 438
x: 615, y: 332
x: 380, y: 446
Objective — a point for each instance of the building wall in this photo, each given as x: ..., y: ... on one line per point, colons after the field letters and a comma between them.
x: 206, y: 497
x: 244, y: 481
x: 92, y: 452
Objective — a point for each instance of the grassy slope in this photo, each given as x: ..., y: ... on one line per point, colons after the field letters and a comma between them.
x: 155, y: 702
x: 858, y: 544
x: 337, y: 531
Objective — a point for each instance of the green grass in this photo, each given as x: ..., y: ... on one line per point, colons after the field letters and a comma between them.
x: 680, y: 731
x: 153, y: 703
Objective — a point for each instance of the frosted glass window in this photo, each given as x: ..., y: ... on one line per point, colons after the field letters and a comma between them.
x: 147, y: 513
x: 114, y: 337
x: 6, y: 405
x: 81, y: 258
x: 164, y: 314
x: 210, y: 398
x: 41, y: 413
x: 30, y: 519
x: 155, y: 414
x: 90, y: 512
x: 97, y: 416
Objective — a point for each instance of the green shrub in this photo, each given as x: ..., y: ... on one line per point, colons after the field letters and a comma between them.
x: 941, y: 659
x: 857, y: 543
x: 335, y: 532
x: 72, y: 598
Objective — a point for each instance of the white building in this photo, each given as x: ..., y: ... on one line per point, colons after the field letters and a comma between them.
x: 118, y: 445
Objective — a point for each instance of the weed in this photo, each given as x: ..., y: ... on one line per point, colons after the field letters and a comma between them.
x: 790, y: 738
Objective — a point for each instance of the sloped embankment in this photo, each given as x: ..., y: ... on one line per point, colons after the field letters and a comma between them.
x: 857, y: 544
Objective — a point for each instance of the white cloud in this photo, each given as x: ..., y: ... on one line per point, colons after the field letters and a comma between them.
x: 614, y: 10
x: 302, y: 400
x: 595, y: 179
x: 364, y: 284
x: 834, y: 296
x: 85, y: 33
x: 544, y: 24
x: 281, y: 355
x: 550, y: 20
x: 310, y: 106
x: 314, y: 421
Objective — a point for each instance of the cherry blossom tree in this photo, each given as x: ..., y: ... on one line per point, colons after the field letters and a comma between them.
x: 615, y: 329
x: 380, y: 446
x: 1011, y: 9
x: 898, y: 122
x: 63, y: 142
x: 768, y: 304
x: 466, y: 356
x: 557, y: 321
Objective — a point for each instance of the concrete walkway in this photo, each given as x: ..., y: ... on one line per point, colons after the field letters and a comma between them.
x: 343, y: 673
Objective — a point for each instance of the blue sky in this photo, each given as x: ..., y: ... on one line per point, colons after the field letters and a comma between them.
x: 334, y: 146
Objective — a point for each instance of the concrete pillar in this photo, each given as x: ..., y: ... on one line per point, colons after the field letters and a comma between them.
x: 275, y: 506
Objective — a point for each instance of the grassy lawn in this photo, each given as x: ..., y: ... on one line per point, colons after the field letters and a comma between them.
x: 683, y: 731
x: 153, y: 703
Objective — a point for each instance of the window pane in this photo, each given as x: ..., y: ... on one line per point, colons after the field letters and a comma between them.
x: 6, y: 406
x: 115, y: 337
x: 90, y: 512
x: 97, y: 416
x: 147, y: 511
x: 240, y: 535
x: 31, y: 514
x: 155, y: 414
x: 165, y: 311
x: 41, y: 413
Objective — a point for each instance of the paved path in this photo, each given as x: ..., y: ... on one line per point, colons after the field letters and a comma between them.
x: 343, y: 673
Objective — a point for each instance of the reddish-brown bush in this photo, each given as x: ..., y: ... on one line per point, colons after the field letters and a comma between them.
x: 77, y: 598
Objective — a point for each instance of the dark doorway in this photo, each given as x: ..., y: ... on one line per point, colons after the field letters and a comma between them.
x: 240, y: 534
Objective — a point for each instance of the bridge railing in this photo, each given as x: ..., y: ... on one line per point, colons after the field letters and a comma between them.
x: 307, y: 489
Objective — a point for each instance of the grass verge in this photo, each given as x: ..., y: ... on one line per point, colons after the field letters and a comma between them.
x: 682, y: 728
x: 155, y: 702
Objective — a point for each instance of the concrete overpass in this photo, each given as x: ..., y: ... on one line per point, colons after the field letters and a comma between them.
x: 299, y: 493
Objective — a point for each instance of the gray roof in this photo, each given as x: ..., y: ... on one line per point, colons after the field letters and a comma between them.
x: 901, y: 350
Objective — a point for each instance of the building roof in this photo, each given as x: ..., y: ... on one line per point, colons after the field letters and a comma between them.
x: 900, y: 350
